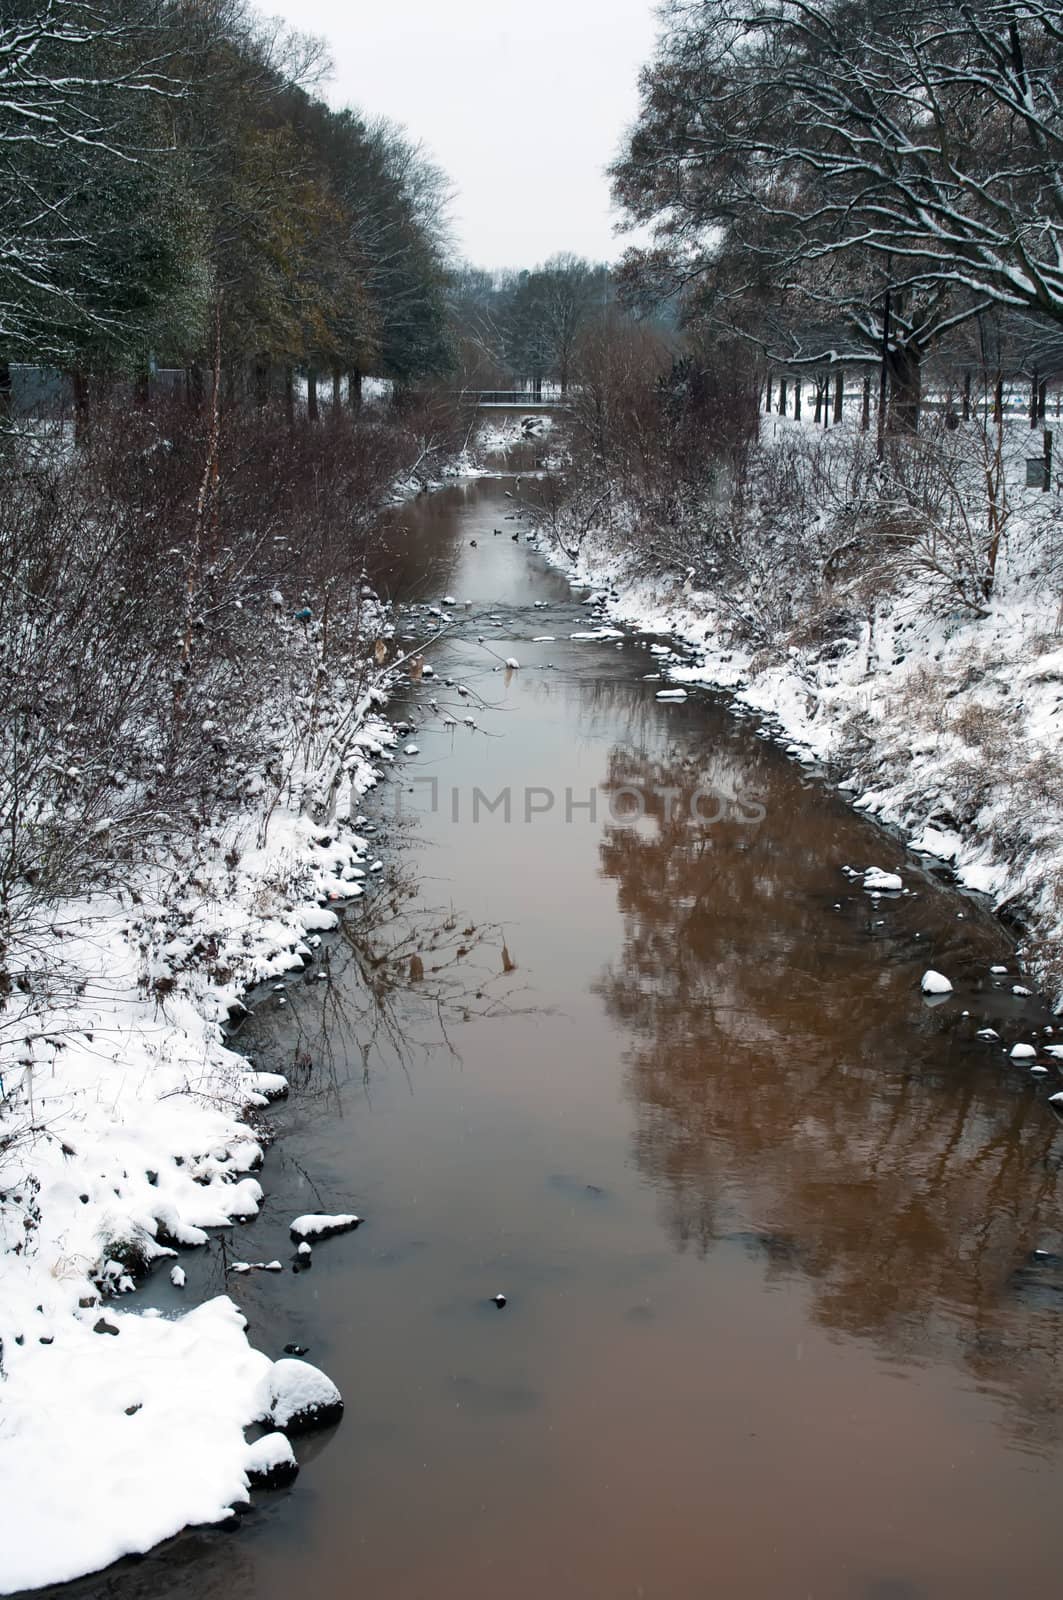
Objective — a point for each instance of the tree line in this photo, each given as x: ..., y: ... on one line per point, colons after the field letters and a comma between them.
x: 172, y: 184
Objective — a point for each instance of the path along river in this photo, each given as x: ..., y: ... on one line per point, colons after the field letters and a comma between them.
x: 767, y: 1220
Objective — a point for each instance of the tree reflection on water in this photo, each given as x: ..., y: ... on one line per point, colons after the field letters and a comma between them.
x: 799, y: 1105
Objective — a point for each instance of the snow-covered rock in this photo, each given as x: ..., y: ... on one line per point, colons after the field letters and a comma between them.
x: 1023, y: 1052
x: 272, y: 1085
x: 878, y: 881
x: 302, y: 1397
x: 270, y: 1461
x: 935, y: 982
x: 319, y: 1225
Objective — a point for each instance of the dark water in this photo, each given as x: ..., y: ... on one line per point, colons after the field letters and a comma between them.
x: 765, y: 1218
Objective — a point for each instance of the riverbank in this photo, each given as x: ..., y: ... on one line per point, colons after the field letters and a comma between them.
x: 128, y: 1126
x: 125, y: 1137
x: 936, y: 721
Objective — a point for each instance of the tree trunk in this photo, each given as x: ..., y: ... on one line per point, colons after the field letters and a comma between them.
x: 538, y: 389
x: 81, y: 405
x: 337, y: 392
x: 797, y: 399
x: 967, y: 397
x: 998, y: 400
x: 354, y: 389
x: 839, y: 396
x: 1042, y: 399
x: 1035, y: 384
x: 194, y: 387
x: 767, y: 401
x: 865, y: 404
x: 906, y: 388
x: 262, y: 385
x: 142, y: 387
x: 883, y: 379
x: 818, y: 418
x: 311, y: 394
x: 782, y: 397
x: 289, y: 396
x: 6, y: 395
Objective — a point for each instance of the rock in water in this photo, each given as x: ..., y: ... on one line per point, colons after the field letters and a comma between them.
x: 934, y: 982
x: 270, y: 1462
x: 317, y: 1225
x: 879, y: 882
x: 302, y: 1397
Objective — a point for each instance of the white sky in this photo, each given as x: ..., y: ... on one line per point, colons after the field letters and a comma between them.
x: 523, y: 102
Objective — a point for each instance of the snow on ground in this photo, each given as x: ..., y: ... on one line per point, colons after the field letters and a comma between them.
x: 942, y: 724
x: 123, y: 1140
x: 114, y: 1440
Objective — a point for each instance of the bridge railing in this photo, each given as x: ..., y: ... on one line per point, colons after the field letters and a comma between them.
x: 516, y: 398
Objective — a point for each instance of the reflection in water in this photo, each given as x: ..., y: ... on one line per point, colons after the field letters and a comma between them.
x: 903, y: 1186
x: 391, y: 985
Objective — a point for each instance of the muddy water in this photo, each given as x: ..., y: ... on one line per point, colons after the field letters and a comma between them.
x: 766, y: 1220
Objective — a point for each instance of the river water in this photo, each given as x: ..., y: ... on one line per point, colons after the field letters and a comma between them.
x: 767, y: 1221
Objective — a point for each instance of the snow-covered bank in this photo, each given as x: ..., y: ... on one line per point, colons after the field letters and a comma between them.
x: 123, y: 1139
x: 939, y: 722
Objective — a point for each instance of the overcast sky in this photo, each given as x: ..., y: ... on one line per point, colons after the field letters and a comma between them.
x: 523, y: 102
